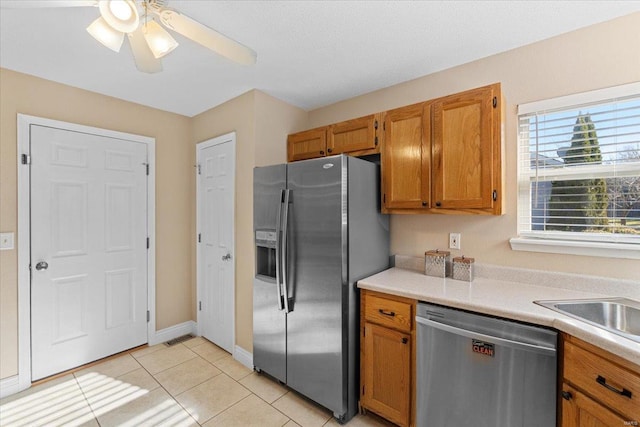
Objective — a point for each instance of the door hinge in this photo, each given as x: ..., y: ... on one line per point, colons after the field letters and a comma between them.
x: 147, y: 243
x: 199, y: 169
x: 384, y: 198
x: 375, y: 125
x: 26, y: 159
x: 384, y: 126
x: 495, y: 101
x: 146, y: 166
x: 376, y: 140
x: 363, y: 390
x: 199, y: 305
x: 495, y: 195
x: 148, y: 316
x: 199, y: 237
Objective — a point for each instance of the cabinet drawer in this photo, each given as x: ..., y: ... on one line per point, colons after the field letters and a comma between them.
x: 387, y: 312
x: 613, y: 385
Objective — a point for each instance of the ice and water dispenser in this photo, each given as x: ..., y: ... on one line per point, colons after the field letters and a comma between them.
x: 266, y: 253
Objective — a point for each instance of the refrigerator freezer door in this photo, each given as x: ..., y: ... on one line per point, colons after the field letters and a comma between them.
x: 269, y: 321
x: 317, y: 242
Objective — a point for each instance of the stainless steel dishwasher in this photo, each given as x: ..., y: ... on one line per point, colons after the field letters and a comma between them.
x: 481, y: 371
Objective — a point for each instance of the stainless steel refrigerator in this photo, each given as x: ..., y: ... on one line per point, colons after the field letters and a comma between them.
x: 317, y: 229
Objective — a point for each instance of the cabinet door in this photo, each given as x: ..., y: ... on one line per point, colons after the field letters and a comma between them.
x: 406, y: 157
x: 580, y: 411
x: 387, y: 382
x: 463, y: 149
x: 307, y: 145
x: 353, y: 135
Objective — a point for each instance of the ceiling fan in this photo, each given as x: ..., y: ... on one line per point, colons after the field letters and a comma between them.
x: 148, y: 39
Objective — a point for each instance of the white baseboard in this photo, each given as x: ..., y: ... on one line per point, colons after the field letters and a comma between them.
x: 175, y: 331
x: 10, y: 385
x: 243, y: 356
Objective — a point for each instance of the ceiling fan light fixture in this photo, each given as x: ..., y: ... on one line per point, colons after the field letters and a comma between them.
x: 106, y: 34
x: 120, y: 9
x: 159, y: 40
x: 122, y: 15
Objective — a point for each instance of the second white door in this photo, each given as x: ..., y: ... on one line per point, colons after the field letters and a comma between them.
x: 216, y: 261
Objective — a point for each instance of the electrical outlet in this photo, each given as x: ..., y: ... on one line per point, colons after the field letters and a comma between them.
x: 454, y: 240
x: 6, y: 241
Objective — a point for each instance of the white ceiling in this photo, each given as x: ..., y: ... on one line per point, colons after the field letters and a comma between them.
x: 310, y: 53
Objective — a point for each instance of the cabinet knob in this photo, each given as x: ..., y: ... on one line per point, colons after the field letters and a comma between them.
x: 321, y: 152
x: 329, y: 150
x: 424, y: 203
x: 566, y: 395
x: 438, y: 204
x: 405, y: 340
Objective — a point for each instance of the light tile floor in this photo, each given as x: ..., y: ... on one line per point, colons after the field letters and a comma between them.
x: 189, y: 384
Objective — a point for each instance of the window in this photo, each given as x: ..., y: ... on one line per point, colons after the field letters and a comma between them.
x: 579, y: 174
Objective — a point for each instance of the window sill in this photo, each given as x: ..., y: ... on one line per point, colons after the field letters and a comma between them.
x: 569, y: 247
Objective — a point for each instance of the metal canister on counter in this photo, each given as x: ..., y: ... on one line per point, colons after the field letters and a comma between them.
x: 463, y: 268
x: 437, y: 263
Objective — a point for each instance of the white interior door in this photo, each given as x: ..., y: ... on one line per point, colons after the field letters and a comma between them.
x: 88, y: 248
x: 216, y: 261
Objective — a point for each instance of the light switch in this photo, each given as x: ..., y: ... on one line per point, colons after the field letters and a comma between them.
x: 6, y: 241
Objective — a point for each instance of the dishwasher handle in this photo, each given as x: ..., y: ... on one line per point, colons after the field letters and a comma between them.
x: 496, y: 340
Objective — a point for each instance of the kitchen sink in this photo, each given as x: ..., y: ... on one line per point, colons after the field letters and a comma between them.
x: 617, y: 315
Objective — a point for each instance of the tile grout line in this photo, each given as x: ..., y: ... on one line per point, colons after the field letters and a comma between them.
x: 167, y: 391
x: 84, y: 396
x: 271, y: 404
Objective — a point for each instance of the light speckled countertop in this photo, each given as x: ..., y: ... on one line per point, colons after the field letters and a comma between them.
x: 511, y: 300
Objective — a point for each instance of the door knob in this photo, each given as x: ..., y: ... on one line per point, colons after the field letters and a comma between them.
x: 42, y: 265
x: 226, y: 257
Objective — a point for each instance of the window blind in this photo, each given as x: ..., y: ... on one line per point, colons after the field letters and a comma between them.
x: 579, y: 169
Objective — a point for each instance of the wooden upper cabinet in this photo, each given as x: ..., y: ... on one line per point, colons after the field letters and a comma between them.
x: 466, y: 144
x: 406, y: 158
x: 357, y: 135
x: 438, y: 156
x: 307, y: 145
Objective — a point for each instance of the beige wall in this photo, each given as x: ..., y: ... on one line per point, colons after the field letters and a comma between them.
x: 599, y: 56
x: 595, y: 57
x: 261, y: 123
x: 25, y: 94
x: 275, y: 119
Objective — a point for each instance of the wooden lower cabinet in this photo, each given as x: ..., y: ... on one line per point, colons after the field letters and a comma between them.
x: 580, y: 411
x: 599, y: 389
x: 387, y: 357
x: 386, y: 388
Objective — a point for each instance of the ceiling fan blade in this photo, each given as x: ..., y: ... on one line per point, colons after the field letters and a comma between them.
x: 35, y: 4
x: 207, y: 37
x: 142, y: 55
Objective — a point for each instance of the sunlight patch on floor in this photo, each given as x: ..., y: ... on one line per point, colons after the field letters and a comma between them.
x: 106, y: 394
x: 62, y: 404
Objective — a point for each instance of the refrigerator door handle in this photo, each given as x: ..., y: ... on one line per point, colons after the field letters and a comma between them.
x: 278, y: 251
x: 283, y: 252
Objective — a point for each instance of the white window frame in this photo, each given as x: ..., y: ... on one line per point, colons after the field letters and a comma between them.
x: 610, y: 246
